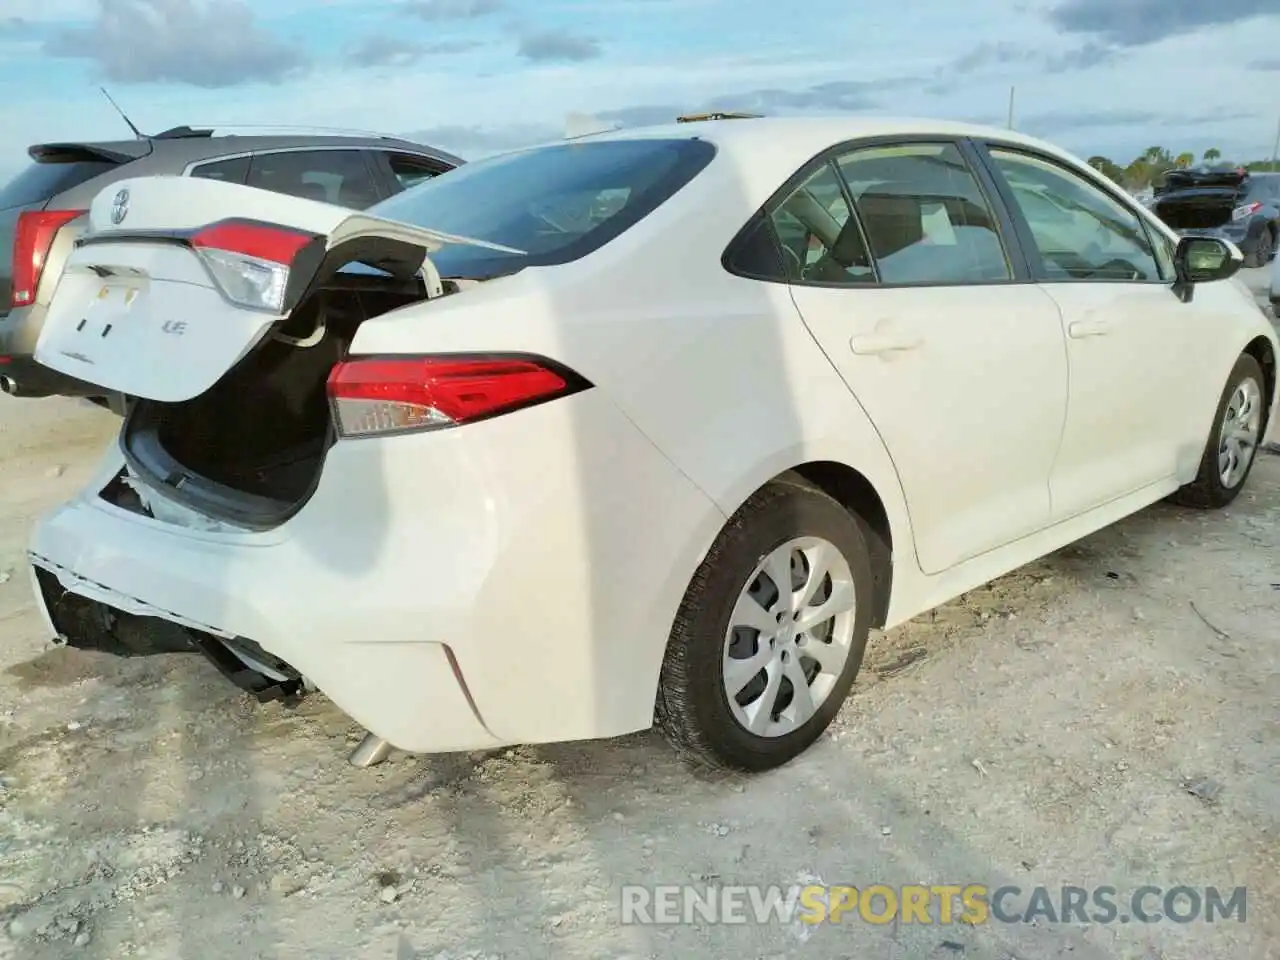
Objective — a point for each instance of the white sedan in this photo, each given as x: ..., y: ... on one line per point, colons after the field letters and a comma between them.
x: 653, y: 425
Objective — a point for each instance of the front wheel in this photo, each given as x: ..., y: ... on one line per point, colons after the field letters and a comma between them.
x: 771, y: 632
x: 1233, y: 444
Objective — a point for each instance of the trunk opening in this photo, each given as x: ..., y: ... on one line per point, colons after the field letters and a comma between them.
x: 1197, y: 209
x: 248, y: 452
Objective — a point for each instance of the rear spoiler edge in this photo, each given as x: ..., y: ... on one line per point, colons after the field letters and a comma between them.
x: 71, y: 152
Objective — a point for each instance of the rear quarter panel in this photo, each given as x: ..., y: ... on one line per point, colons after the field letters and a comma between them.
x: 719, y: 372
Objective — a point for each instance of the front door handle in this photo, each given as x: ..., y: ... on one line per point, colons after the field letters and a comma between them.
x: 875, y: 344
x: 1088, y: 328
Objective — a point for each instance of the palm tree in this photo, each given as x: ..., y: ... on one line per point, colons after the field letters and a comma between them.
x: 1185, y: 160
x: 1212, y: 154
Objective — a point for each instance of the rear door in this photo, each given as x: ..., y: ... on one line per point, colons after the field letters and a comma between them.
x: 923, y: 304
x: 180, y: 277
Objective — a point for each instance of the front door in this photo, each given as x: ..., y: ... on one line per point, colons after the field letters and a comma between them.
x: 957, y: 360
x: 1130, y: 342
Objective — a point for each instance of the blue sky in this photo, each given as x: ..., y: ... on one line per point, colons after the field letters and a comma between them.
x: 474, y: 76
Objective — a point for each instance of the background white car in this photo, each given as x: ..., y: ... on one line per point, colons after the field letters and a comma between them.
x: 656, y: 422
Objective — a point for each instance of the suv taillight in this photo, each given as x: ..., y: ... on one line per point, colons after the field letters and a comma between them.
x: 250, y: 261
x: 1246, y: 210
x: 32, y: 239
x: 373, y: 396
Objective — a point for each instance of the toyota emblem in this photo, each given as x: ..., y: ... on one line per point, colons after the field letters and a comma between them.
x: 120, y: 207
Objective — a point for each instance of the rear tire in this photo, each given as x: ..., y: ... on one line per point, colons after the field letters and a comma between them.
x: 1263, y: 251
x: 736, y: 630
x: 1232, y: 447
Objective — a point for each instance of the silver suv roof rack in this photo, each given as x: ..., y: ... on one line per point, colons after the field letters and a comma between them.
x: 265, y: 130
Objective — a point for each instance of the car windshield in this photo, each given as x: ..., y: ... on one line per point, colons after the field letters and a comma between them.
x: 555, y: 203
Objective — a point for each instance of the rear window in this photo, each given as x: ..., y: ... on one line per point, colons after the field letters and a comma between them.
x: 555, y: 204
x: 1263, y: 188
x: 40, y: 181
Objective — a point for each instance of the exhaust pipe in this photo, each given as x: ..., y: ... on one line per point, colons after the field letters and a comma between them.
x: 8, y: 385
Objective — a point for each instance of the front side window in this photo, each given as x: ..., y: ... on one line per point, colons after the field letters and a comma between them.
x: 925, y: 217
x: 547, y: 205
x: 410, y: 171
x: 1080, y: 231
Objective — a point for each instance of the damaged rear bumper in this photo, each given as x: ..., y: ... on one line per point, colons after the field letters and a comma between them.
x: 89, y: 616
x: 92, y: 567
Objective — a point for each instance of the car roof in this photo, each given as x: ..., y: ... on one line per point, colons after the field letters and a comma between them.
x: 198, y: 146
x: 768, y: 150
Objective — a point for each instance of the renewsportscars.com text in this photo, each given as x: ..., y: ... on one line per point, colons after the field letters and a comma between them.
x: 940, y: 904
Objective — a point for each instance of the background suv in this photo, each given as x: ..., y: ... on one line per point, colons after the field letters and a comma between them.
x: 42, y: 210
x: 1227, y: 202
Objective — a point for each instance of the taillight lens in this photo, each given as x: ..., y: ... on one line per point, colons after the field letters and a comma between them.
x: 383, y: 395
x: 250, y: 261
x: 32, y: 239
x: 1245, y: 211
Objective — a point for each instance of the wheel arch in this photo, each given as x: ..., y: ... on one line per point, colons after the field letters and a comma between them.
x: 876, y: 502
x: 1261, y: 349
x: 858, y: 495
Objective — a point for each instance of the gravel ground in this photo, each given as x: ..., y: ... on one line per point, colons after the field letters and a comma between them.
x: 1047, y: 729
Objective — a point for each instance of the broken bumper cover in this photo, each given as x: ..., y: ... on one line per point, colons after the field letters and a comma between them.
x: 371, y: 682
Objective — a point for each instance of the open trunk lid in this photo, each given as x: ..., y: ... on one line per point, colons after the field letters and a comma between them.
x: 179, y: 278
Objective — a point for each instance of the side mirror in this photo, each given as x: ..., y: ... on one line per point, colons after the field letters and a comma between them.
x: 1203, y: 260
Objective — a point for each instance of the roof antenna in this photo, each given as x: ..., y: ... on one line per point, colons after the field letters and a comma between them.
x: 123, y: 116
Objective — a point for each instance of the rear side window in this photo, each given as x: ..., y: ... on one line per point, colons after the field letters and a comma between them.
x: 340, y: 177
x: 40, y: 181
x: 821, y: 240
x: 235, y: 170
x: 550, y: 204
x: 925, y: 216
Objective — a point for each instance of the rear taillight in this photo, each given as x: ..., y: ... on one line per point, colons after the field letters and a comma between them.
x: 31, y: 242
x: 1245, y: 211
x: 250, y: 261
x: 383, y: 395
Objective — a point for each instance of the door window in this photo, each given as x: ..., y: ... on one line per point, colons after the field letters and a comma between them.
x: 410, y: 171
x: 340, y: 177
x: 924, y: 215
x: 1080, y: 231
x: 820, y: 239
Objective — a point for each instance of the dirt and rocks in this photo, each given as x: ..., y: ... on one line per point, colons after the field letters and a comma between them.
x: 1107, y: 716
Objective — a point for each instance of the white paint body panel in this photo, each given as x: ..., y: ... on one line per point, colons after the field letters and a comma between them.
x: 548, y: 550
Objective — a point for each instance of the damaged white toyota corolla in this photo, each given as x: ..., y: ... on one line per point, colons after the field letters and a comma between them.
x: 651, y: 424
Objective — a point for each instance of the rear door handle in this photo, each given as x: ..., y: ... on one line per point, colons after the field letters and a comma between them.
x: 876, y: 344
x: 1088, y: 328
